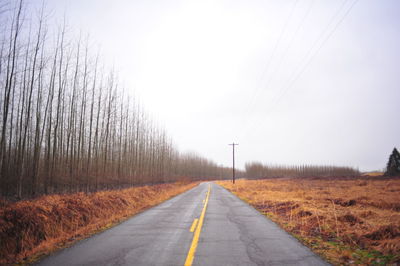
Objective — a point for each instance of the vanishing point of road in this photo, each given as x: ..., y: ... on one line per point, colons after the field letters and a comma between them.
x: 206, y: 225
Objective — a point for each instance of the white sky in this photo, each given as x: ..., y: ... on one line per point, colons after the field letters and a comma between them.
x: 293, y: 82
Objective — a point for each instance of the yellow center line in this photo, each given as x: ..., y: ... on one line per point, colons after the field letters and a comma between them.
x: 195, y: 241
x: 194, y: 225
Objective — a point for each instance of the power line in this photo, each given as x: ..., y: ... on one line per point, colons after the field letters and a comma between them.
x: 269, y: 61
x: 283, y: 56
x: 295, y: 34
x: 291, y: 83
x: 310, y: 58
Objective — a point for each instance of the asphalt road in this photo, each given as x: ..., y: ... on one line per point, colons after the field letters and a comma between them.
x: 227, y: 232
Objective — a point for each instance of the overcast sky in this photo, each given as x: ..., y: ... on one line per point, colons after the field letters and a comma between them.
x: 293, y: 82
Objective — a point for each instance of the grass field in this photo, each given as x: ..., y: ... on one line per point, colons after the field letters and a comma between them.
x: 31, y: 229
x: 373, y: 174
x: 353, y: 221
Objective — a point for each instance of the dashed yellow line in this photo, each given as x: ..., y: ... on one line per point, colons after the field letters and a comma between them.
x: 195, y: 241
x: 194, y: 225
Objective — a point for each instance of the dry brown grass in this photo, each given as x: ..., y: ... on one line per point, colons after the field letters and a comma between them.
x: 373, y: 174
x: 345, y: 221
x: 30, y: 229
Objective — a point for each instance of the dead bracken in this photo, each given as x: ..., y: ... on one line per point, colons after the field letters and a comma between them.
x: 34, y: 227
x: 359, y: 221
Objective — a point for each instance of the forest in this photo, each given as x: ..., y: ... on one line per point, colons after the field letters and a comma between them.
x: 67, y: 123
x: 256, y: 170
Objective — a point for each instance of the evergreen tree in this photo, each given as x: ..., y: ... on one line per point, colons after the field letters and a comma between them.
x: 393, y: 165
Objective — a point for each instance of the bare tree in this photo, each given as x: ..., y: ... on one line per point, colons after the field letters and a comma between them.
x: 67, y: 126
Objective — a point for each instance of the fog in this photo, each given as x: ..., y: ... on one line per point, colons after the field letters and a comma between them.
x: 293, y: 82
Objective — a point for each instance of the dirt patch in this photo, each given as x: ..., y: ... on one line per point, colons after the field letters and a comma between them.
x: 343, y: 203
x: 385, y: 232
x: 303, y: 213
x: 350, y: 218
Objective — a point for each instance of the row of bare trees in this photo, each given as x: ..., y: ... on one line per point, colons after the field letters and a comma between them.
x: 257, y: 170
x: 66, y: 123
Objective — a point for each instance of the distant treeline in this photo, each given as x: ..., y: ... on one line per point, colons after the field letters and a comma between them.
x: 255, y: 170
x: 66, y: 122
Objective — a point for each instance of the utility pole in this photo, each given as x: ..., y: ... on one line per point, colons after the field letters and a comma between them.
x: 233, y: 167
